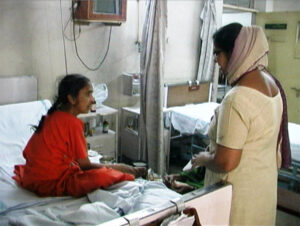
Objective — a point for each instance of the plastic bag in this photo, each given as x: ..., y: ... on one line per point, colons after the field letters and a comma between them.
x: 100, y: 93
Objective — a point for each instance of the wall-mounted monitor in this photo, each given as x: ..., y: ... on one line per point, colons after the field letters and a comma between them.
x: 105, y: 11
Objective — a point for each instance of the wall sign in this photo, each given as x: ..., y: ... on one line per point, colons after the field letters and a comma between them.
x: 276, y: 26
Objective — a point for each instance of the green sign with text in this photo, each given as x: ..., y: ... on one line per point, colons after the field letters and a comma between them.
x: 276, y: 26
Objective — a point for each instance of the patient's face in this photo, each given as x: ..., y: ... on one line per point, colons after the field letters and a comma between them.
x: 84, y: 100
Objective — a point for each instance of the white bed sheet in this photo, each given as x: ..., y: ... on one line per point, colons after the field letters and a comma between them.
x: 20, y: 207
x: 193, y: 118
x: 294, y: 134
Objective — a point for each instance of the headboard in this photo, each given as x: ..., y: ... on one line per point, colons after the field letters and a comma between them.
x: 186, y: 93
x: 17, y: 89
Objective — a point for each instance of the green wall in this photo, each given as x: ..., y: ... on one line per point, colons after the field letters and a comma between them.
x: 284, y: 55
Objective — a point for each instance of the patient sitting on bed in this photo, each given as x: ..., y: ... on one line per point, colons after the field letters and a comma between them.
x: 57, y: 163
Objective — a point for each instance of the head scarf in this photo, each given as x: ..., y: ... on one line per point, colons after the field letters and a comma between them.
x: 249, y: 52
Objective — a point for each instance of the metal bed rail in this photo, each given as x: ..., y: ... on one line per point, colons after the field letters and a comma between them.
x: 292, y: 174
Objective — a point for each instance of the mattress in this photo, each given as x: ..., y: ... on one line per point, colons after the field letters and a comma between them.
x: 193, y: 118
x: 294, y: 134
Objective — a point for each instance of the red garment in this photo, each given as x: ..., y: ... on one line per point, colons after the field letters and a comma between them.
x: 51, y: 168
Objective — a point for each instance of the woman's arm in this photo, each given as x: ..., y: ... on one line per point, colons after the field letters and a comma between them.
x: 223, y: 161
x: 86, y: 164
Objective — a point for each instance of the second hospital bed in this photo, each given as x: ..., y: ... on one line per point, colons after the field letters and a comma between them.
x: 193, y: 119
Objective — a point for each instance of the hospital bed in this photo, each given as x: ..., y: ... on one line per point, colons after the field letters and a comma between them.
x: 193, y: 120
x: 138, y: 202
x: 189, y: 115
x: 289, y: 179
x: 291, y: 176
x: 192, y: 117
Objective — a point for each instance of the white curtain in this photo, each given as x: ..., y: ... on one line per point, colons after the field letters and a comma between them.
x: 152, y: 78
x: 209, y: 26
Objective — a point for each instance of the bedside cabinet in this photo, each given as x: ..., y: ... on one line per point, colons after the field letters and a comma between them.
x: 105, y: 144
x: 130, y: 144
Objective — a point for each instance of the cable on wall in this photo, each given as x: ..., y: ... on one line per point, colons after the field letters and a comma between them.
x: 66, y: 25
x: 64, y: 43
x: 76, y: 49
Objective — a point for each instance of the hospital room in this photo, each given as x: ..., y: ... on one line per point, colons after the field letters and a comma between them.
x: 150, y: 112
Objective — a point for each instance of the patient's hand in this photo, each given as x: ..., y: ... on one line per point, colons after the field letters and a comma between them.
x: 140, y: 172
x: 173, y: 182
x: 168, y: 180
x: 136, y: 171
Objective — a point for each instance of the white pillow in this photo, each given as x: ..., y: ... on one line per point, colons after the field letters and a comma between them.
x: 16, y: 122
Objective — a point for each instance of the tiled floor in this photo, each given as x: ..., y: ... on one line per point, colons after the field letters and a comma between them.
x: 285, y: 219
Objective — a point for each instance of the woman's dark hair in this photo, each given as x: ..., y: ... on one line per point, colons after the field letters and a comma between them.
x: 70, y: 85
x: 224, y: 38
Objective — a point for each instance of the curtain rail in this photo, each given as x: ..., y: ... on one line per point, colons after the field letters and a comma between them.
x: 227, y: 6
x: 190, y: 83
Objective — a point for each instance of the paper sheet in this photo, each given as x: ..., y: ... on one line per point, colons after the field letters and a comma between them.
x: 188, y: 166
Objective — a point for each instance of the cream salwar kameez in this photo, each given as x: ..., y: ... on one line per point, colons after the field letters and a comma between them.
x: 250, y: 121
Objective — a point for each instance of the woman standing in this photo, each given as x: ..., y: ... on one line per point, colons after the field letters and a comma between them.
x: 245, y: 132
x: 57, y: 163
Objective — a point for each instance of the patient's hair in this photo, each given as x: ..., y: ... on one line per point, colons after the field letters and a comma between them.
x: 70, y: 85
x: 224, y: 38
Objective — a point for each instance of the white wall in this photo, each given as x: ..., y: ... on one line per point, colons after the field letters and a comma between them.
x: 243, y: 18
x: 286, y: 5
x: 277, y: 5
x: 182, y: 49
x: 182, y: 40
x: 31, y: 43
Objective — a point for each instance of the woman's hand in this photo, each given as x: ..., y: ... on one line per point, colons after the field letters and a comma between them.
x: 222, y: 161
x: 201, y: 159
